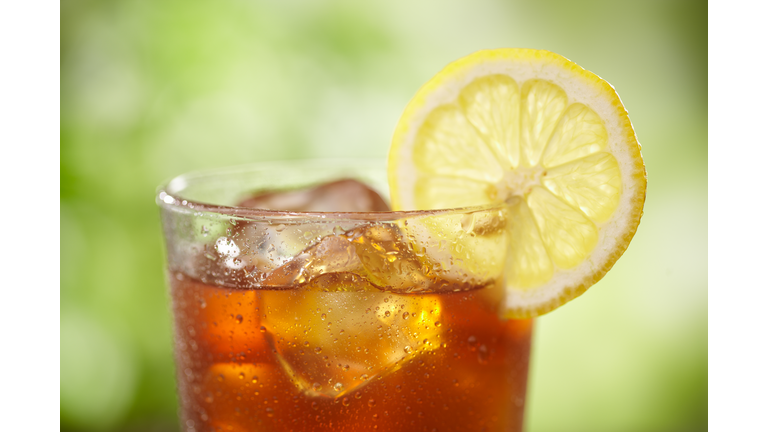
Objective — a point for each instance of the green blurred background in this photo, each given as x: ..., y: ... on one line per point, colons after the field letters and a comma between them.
x: 152, y: 89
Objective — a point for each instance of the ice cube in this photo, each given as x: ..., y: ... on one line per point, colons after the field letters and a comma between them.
x: 346, y: 195
x: 339, y: 332
x: 332, y: 254
x: 377, y: 253
x: 389, y: 261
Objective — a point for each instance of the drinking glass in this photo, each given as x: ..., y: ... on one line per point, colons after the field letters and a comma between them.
x: 297, y: 307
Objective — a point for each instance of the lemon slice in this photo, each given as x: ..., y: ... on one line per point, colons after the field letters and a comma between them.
x: 534, y: 130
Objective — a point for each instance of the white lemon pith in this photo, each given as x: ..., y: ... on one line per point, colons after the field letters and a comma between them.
x: 534, y: 130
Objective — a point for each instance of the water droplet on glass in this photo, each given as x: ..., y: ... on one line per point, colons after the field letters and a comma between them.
x: 472, y: 343
x: 371, y: 403
x: 239, y: 319
x: 345, y: 401
x: 482, y: 354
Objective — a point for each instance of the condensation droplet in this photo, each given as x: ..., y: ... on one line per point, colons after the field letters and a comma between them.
x: 239, y: 319
x: 472, y: 343
x: 371, y: 403
x: 345, y: 401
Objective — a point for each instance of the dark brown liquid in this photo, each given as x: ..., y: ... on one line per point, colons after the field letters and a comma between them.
x: 307, y: 359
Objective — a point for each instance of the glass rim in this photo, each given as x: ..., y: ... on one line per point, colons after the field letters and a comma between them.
x: 168, y: 195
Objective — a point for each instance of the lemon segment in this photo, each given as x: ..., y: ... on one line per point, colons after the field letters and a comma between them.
x: 591, y: 184
x: 529, y: 264
x: 567, y: 234
x: 553, y: 141
x: 490, y: 103
x: 580, y: 133
x: 441, y: 149
x: 543, y: 104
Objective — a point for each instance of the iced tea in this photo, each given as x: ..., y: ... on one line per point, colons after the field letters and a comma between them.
x: 343, y: 322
